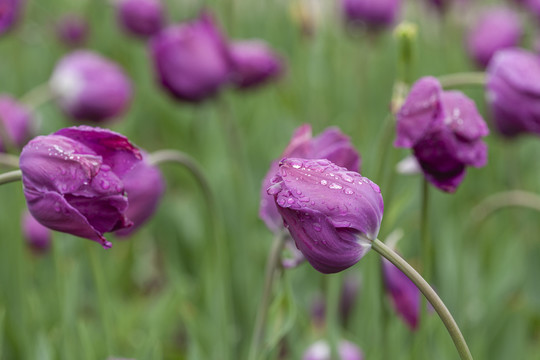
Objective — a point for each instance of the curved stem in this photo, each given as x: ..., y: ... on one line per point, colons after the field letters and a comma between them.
x: 430, y: 294
x: 501, y: 200
x: 274, y: 262
x: 463, y: 79
x: 9, y: 160
x: 9, y: 177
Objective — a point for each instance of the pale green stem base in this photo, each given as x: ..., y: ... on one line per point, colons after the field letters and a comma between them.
x: 463, y: 79
x: 9, y: 177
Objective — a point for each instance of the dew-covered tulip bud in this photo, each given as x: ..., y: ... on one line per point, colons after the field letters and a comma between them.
x: 373, y: 14
x: 254, y: 63
x: 16, y: 122
x: 72, y: 30
x: 73, y: 181
x: 445, y: 131
x: 404, y: 295
x: 10, y: 11
x: 144, y: 186
x: 332, y: 214
x: 191, y: 60
x: 496, y: 29
x: 331, y: 144
x: 513, y: 90
x: 37, y: 236
x: 141, y: 18
x: 320, y: 350
x: 90, y: 87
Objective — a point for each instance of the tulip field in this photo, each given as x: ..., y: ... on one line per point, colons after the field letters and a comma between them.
x: 289, y: 179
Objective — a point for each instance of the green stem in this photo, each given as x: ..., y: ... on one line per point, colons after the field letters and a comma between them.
x: 502, y: 200
x: 273, y: 264
x: 384, y: 145
x: 463, y: 79
x: 9, y: 160
x: 9, y: 177
x: 430, y: 294
x: 333, y: 290
x: 425, y: 242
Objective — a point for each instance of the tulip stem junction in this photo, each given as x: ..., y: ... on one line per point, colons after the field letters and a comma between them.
x: 9, y: 177
x: 463, y: 79
x: 430, y: 294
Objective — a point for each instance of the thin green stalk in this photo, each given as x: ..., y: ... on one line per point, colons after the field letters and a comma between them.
x: 334, y: 284
x: 426, y: 252
x: 463, y: 79
x: 9, y: 177
x: 384, y: 146
x: 431, y: 296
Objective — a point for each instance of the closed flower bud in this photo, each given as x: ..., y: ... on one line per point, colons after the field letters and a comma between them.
x: 37, y: 236
x: 72, y: 30
x: 73, y: 181
x: 513, y: 78
x: 445, y: 131
x: 10, y: 11
x: 16, y: 121
x: 321, y: 351
x: 373, y: 14
x: 140, y: 17
x: 332, y: 214
x: 331, y: 144
x: 90, y: 87
x: 496, y: 29
x: 254, y: 63
x: 191, y: 60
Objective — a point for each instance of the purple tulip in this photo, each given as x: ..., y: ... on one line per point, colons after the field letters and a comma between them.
x: 321, y: 351
x: 254, y: 63
x: 496, y: 29
x: 90, y: 87
x: 144, y: 187
x: 332, y: 213
x: 73, y: 180
x: 533, y: 6
x: 16, y: 120
x: 72, y: 30
x: 142, y: 18
x: 404, y: 294
x: 445, y: 131
x: 374, y: 14
x: 10, y: 11
x: 37, y: 236
x: 513, y: 90
x: 191, y: 60
x: 331, y: 144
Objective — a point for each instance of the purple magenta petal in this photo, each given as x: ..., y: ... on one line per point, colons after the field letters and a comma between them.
x: 37, y: 236
x: 254, y: 63
x: 141, y: 17
x: 16, y: 119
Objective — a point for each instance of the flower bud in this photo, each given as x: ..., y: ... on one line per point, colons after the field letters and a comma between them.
x: 72, y: 30
x: 513, y: 78
x: 445, y: 131
x: 141, y: 18
x: 73, y: 181
x: 331, y: 144
x: 496, y: 29
x: 321, y: 351
x: 254, y: 63
x: 332, y: 213
x: 374, y: 14
x: 10, y: 11
x: 16, y: 121
x: 90, y: 87
x: 191, y: 60
x: 37, y: 236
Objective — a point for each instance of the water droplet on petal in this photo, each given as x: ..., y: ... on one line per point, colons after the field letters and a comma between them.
x: 105, y: 184
x: 317, y: 227
x: 348, y: 191
x: 335, y: 186
x: 324, y: 182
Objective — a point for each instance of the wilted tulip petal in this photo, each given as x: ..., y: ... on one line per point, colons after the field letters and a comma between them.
x: 375, y: 14
x: 140, y: 17
x: 37, y: 236
x: 16, y: 120
x: 321, y: 351
x: 9, y: 13
x: 254, y: 63
x: 72, y: 30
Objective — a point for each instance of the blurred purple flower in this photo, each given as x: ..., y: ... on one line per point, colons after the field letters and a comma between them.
x: 320, y: 350
x: 495, y: 29
x: 90, y: 87
x: 191, y: 60
x: 37, y: 236
x: 374, y: 14
x: 513, y: 90
x: 141, y: 18
x: 331, y: 144
x: 72, y: 30
x: 10, y: 11
x: 16, y: 120
x: 254, y: 63
x: 332, y: 213
x: 445, y: 131
x: 73, y: 180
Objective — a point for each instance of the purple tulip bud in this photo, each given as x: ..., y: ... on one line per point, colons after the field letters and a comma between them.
x: 10, y: 11
x: 496, y: 29
x: 513, y: 89
x: 141, y: 17
x: 16, y: 120
x: 73, y: 180
x: 374, y: 14
x: 332, y: 213
x: 445, y: 131
x: 404, y: 294
x: 331, y: 144
x: 72, y: 30
x: 321, y: 351
x: 254, y: 63
x: 144, y: 187
x: 37, y: 236
x: 90, y: 87
x: 191, y: 60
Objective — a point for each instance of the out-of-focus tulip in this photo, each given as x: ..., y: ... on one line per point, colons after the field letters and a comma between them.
x: 332, y: 214
x: 445, y: 131
x: 90, y: 87
x: 141, y: 18
x: 37, y: 236
x: 373, y: 14
x: 321, y: 351
x: 10, y: 11
x: 73, y: 181
x: 254, y: 63
x: 191, y: 60
x: 72, y: 30
x: 16, y: 122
